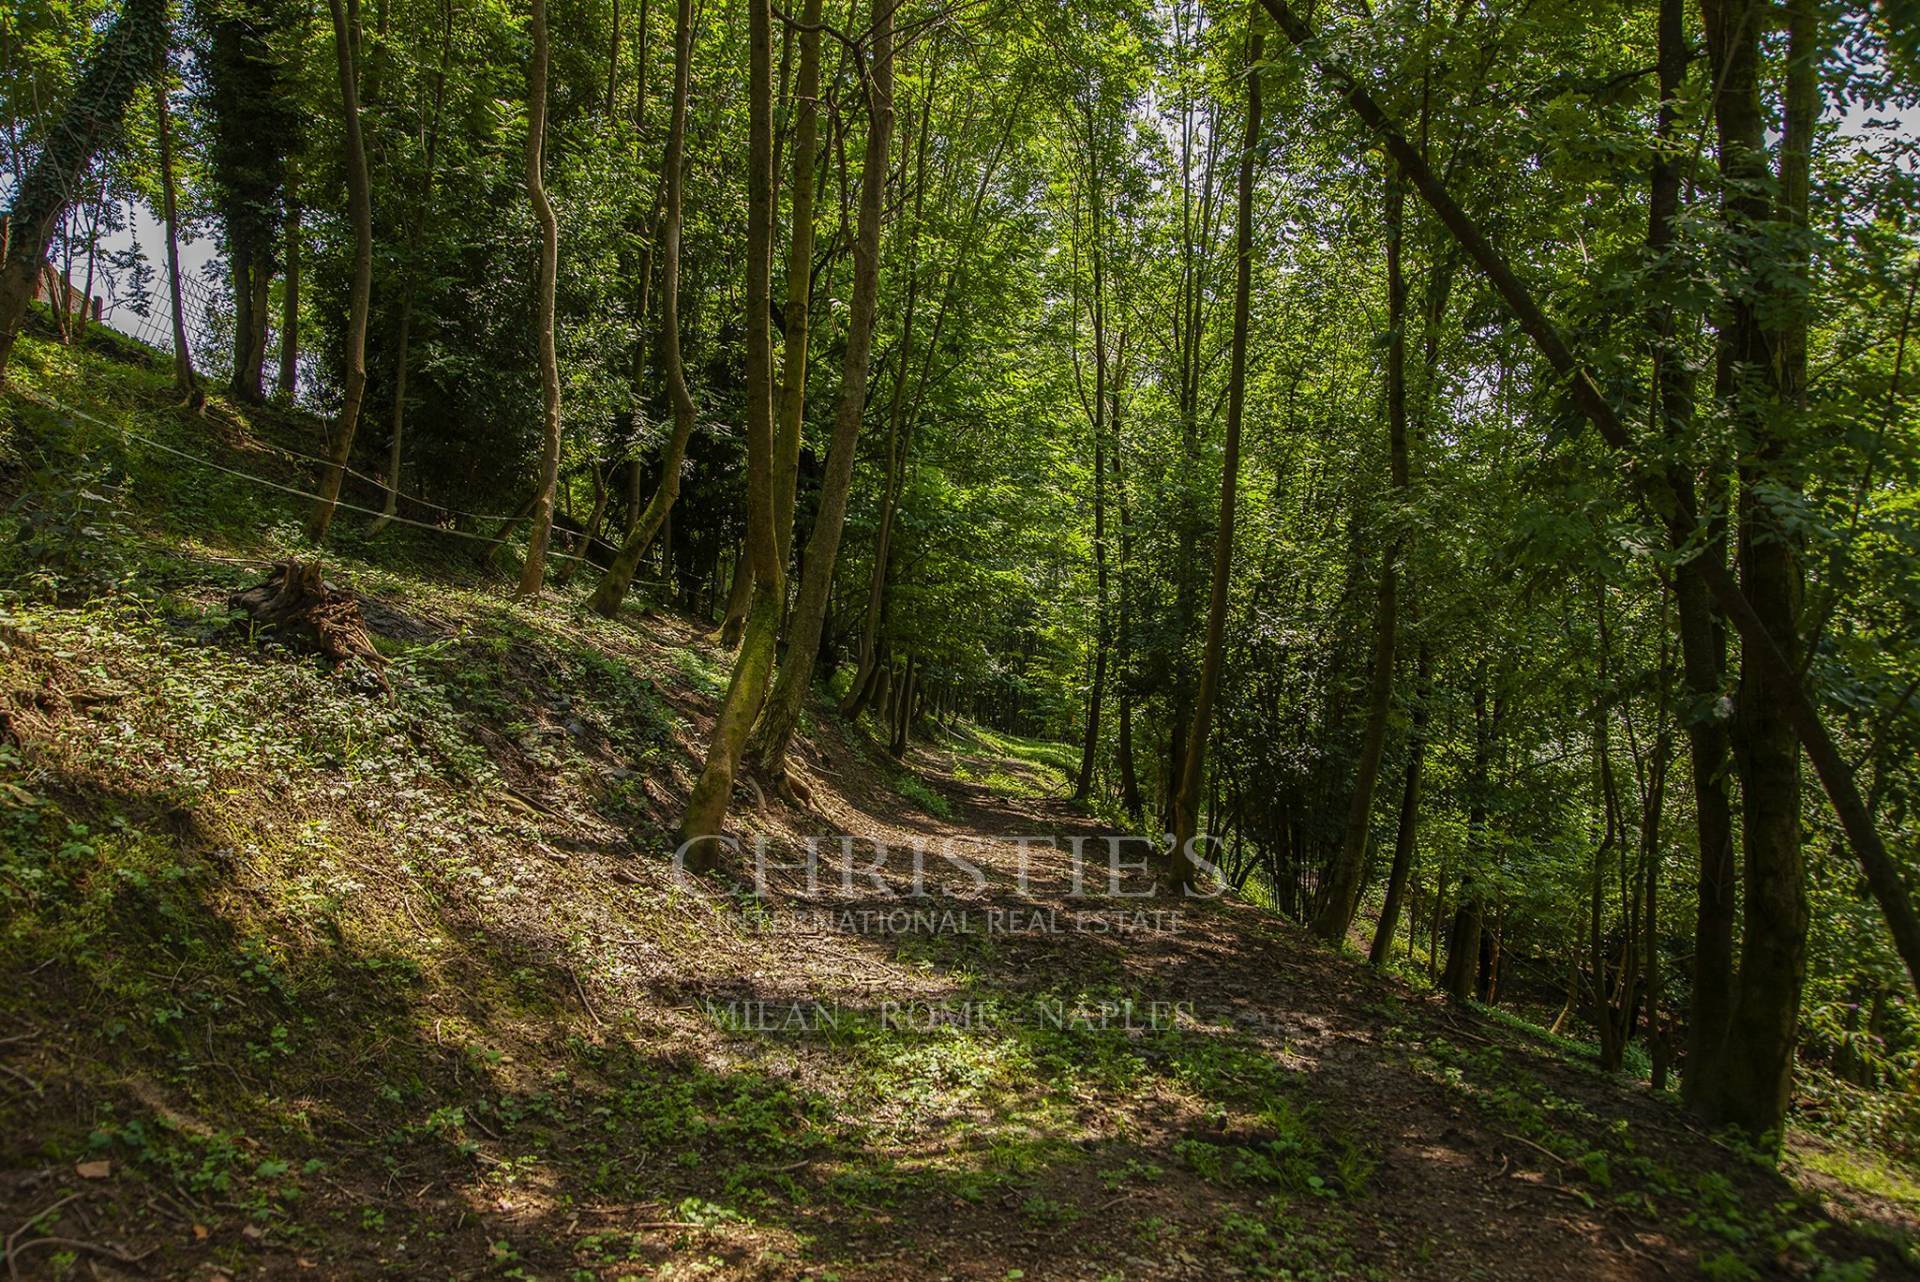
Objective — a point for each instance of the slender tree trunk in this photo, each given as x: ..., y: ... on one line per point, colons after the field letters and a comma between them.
x: 902, y: 710
x: 129, y: 55
x: 641, y: 65
x: 1603, y: 1010
x: 184, y: 379
x: 1701, y: 627
x: 1463, y: 942
x: 637, y: 393
x: 905, y: 412
x: 360, y: 216
x: 739, y: 598
x: 1090, y: 741
x: 56, y: 289
x: 252, y: 280
x: 547, y: 479
x: 242, y: 254
x: 1650, y: 848
x: 613, y: 62
x: 1406, y: 835
x: 253, y: 379
x: 804, y: 628
x: 396, y: 443
x: 1194, y: 290
x: 635, y: 473
x: 1192, y: 767
x: 612, y: 589
x: 1433, y: 925
x: 1130, y: 799
x: 793, y: 395
x: 1461, y: 977
x: 1764, y: 354
x: 287, y: 377
x: 93, y: 248
x: 863, y: 686
x: 1349, y: 870
x: 713, y: 792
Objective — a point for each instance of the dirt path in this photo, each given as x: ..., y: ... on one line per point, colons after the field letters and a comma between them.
x: 1288, y: 1113
x: 527, y: 1051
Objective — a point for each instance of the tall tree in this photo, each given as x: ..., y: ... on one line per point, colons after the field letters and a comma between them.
x: 128, y: 56
x: 1096, y: 412
x: 410, y: 277
x: 1406, y: 834
x: 253, y: 119
x: 793, y: 366
x: 1186, y: 798
x: 712, y: 793
x: 1702, y: 630
x: 1130, y: 798
x: 545, y: 277
x: 287, y: 379
x: 1762, y: 361
x: 1342, y: 890
x: 871, y: 667
x: 1460, y: 978
x: 647, y: 524
x: 774, y: 734
x: 360, y: 217
x: 184, y: 380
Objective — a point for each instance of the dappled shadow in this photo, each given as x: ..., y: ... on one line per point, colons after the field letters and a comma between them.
x: 345, y: 1048
x: 485, y: 1103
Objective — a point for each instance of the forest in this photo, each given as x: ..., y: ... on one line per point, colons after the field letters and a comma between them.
x: 1379, y: 541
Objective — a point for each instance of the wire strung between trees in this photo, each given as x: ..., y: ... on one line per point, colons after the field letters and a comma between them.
x: 47, y: 402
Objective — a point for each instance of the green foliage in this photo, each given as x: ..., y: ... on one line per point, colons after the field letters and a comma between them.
x: 1061, y: 230
x: 916, y: 790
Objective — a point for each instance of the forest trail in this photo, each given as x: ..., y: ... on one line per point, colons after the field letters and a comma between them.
x: 1485, y: 434
x: 309, y: 981
x: 607, y: 1075
x: 1349, y: 1128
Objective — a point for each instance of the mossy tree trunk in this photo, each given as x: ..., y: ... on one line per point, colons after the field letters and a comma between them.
x: 128, y: 56
x: 534, y: 569
x: 706, y: 810
x: 808, y: 621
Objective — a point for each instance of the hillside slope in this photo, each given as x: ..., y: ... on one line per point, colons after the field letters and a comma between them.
x: 308, y: 981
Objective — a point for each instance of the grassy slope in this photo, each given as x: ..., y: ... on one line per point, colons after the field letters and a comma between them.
x: 342, y: 986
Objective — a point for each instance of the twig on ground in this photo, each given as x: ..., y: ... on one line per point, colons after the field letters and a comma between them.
x: 13, y: 1270
x: 21, y: 1077
x: 77, y: 1244
x: 581, y: 989
x: 1538, y: 1148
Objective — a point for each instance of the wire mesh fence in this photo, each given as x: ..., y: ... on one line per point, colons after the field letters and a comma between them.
x: 148, y: 318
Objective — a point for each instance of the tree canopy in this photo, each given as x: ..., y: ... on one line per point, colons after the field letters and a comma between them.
x: 1551, y: 365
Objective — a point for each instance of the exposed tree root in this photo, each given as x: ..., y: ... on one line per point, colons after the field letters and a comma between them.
x: 794, y: 790
x: 296, y: 603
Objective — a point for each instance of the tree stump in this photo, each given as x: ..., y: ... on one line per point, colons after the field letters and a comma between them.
x: 296, y: 603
